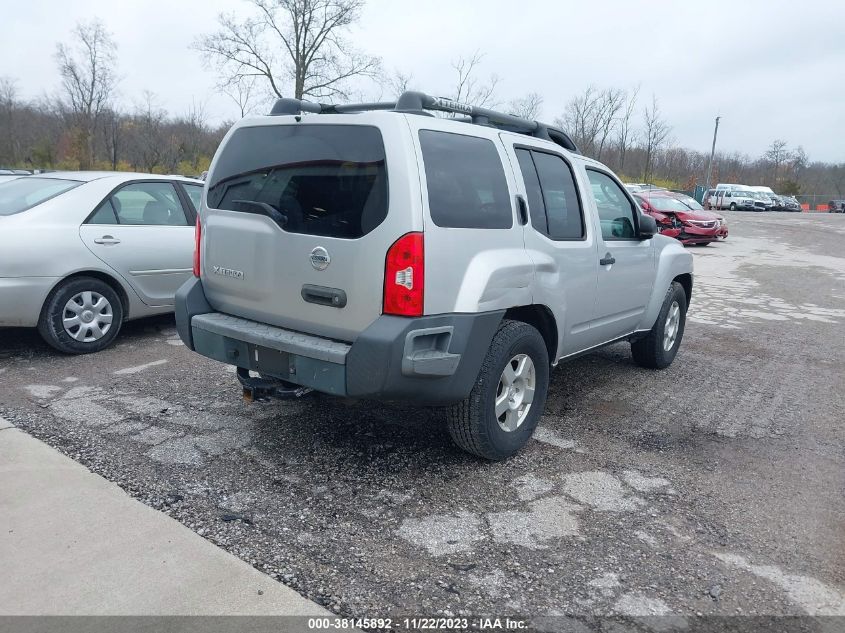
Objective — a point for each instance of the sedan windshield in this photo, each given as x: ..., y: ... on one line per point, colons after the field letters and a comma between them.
x: 692, y: 203
x: 24, y: 193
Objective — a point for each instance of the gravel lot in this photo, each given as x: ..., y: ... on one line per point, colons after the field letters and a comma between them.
x: 714, y: 487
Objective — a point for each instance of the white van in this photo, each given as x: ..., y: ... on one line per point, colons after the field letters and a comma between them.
x: 733, y: 197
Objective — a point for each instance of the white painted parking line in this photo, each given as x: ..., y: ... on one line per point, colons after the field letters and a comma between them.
x: 139, y: 368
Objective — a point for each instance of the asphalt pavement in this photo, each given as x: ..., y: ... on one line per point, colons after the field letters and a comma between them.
x: 715, y: 487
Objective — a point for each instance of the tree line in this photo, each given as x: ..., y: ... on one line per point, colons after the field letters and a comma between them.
x: 299, y: 48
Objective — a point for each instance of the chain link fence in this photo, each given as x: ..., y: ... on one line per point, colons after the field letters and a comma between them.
x: 820, y: 201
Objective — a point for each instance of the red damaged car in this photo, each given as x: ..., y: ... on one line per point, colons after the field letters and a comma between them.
x: 676, y: 218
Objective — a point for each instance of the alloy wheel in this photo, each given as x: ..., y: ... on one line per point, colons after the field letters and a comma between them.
x: 515, y: 392
x: 671, y: 327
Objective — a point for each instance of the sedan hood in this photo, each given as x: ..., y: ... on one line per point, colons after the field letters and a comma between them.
x: 702, y: 216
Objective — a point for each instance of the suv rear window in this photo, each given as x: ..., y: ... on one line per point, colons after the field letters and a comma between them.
x: 24, y: 193
x: 328, y: 180
x: 466, y: 182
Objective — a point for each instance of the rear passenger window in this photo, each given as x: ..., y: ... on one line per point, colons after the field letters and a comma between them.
x: 552, y: 196
x: 142, y: 204
x: 563, y: 209
x: 148, y: 204
x: 466, y: 181
x: 536, y: 208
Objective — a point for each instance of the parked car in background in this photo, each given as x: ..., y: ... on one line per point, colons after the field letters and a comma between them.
x: 110, y: 246
x: 642, y: 186
x: 733, y: 199
x: 762, y: 202
x: 768, y: 197
x: 836, y: 206
x: 789, y: 203
x: 676, y: 219
x: 694, y: 205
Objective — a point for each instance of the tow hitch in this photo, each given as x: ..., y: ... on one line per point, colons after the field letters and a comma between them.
x: 263, y: 388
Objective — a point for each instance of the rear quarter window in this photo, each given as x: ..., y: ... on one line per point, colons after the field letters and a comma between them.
x: 466, y: 181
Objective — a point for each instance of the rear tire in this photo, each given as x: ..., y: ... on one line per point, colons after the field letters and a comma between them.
x: 733, y: 206
x: 515, y: 368
x: 81, y: 316
x: 659, y: 347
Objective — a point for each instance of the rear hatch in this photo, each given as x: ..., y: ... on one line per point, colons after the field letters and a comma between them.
x: 298, y: 217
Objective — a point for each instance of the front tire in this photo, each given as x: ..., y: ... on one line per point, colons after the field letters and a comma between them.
x: 733, y: 206
x: 506, y: 403
x: 659, y: 347
x: 81, y: 316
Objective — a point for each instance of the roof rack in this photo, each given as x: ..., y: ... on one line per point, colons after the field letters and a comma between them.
x: 420, y: 103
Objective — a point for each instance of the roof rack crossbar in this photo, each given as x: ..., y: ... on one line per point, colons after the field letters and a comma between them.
x: 420, y: 103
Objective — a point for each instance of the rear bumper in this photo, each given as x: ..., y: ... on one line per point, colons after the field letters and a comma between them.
x: 431, y: 359
x: 21, y: 299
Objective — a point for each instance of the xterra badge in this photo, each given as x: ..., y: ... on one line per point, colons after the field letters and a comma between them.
x: 228, y: 272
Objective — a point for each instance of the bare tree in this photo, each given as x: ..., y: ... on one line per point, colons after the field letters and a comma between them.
x: 577, y: 120
x: 113, y: 128
x: 777, y: 155
x: 469, y: 88
x: 244, y: 91
x: 87, y: 69
x: 591, y: 117
x: 194, y: 130
x: 798, y: 162
x: 9, y: 145
x: 609, y: 104
x: 528, y: 107
x: 298, y: 40
x: 655, y: 134
x: 623, y: 126
x: 400, y: 82
x: 150, y: 138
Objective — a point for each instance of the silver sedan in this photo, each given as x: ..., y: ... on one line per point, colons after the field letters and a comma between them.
x: 81, y: 252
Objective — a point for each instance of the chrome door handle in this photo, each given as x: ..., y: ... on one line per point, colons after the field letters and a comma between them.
x: 106, y: 239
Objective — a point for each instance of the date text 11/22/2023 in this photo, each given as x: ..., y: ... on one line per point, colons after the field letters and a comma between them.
x: 417, y: 624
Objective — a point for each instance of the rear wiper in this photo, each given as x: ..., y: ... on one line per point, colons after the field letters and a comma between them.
x: 253, y: 206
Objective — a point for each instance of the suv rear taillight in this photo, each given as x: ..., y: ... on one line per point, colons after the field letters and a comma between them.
x: 197, y: 236
x: 404, y: 276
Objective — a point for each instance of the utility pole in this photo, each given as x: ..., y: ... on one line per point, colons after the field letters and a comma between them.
x: 712, y: 152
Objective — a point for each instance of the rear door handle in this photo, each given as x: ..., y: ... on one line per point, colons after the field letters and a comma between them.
x: 321, y: 295
x: 607, y: 260
x: 106, y: 239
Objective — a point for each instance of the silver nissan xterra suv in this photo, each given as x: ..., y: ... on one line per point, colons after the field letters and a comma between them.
x: 377, y: 251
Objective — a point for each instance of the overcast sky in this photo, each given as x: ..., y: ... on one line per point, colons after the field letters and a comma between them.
x: 771, y: 69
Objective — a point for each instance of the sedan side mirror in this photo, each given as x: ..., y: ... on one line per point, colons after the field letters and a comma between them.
x: 648, y: 227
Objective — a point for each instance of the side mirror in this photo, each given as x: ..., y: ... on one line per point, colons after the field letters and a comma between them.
x: 648, y: 226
